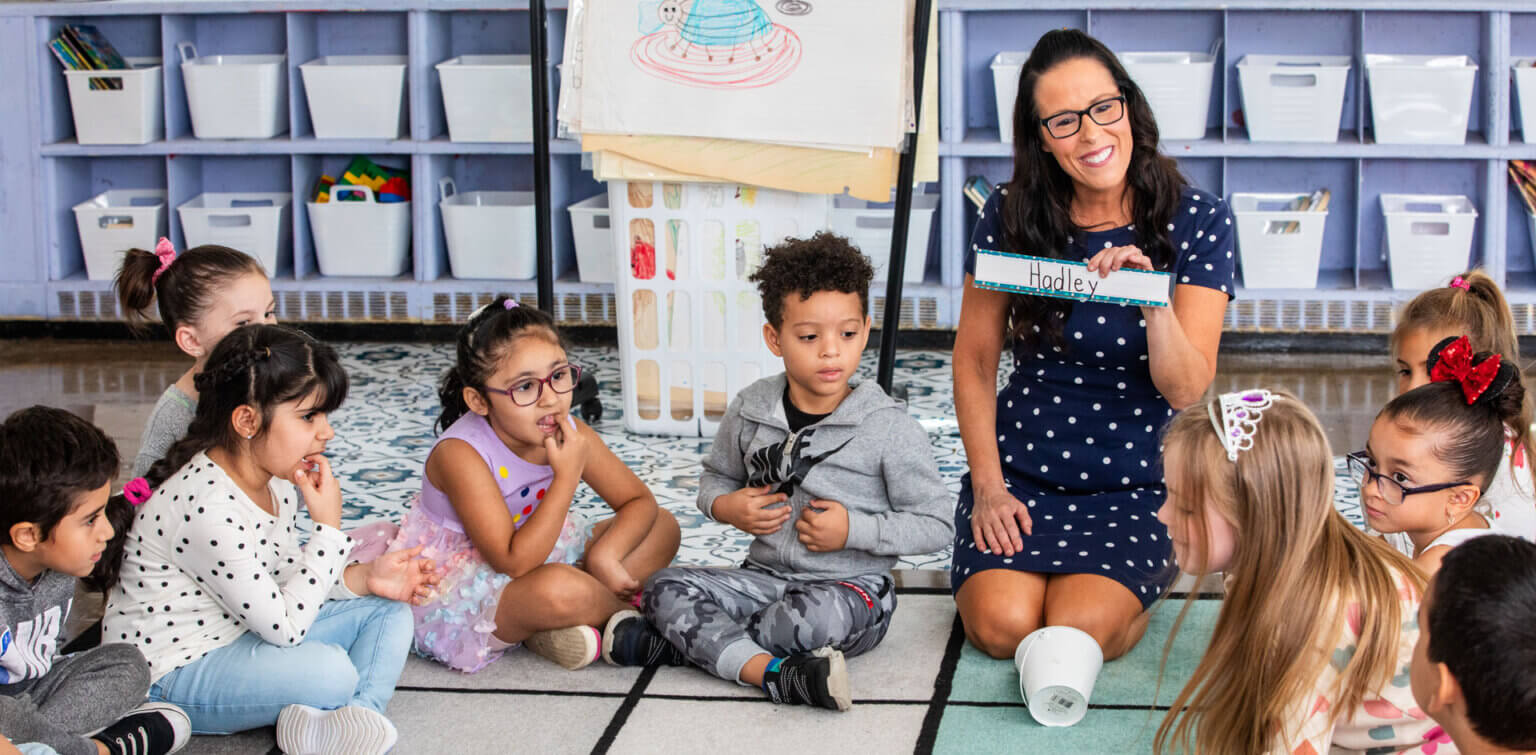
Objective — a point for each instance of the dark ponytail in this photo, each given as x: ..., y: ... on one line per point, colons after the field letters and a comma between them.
x: 185, y: 289
x: 260, y: 366
x: 1474, y: 432
x: 481, y: 345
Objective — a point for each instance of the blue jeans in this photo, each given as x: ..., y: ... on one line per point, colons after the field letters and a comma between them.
x: 353, y: 655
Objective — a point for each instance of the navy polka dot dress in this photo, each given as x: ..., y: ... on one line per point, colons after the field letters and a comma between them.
x: 1078, y: 426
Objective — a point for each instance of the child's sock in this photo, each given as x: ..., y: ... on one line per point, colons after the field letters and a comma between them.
x: 631, y: 640
x: 350, y: 730
x: 571, y: 647
x: 150, y: 729
x: 817, y: 678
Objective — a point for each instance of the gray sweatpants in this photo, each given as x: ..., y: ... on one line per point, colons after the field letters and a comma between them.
x: 721, y: 618
x: 83, y: 693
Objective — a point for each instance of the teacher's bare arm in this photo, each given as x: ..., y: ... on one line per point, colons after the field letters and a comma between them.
x: 1182, y: 340
x: 978, y: 344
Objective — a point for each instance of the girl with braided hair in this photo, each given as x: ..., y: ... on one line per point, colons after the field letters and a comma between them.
x: 244, y: 624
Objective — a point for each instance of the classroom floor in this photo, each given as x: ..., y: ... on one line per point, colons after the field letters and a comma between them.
x: 924, y: 689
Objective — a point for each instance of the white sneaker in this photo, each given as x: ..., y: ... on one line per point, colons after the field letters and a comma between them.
x: 349, y: 730
x: 571, y: 647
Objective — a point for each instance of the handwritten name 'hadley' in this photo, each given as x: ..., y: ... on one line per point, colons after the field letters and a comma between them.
x: 1066, y: 280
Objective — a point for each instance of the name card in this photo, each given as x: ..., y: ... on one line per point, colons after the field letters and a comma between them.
x: 1024, y: 274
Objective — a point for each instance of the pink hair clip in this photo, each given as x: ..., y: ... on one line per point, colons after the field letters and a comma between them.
x: 1461, y: 283
x: 167, y: 255
x: 137, y: 491
x: 509, y: 303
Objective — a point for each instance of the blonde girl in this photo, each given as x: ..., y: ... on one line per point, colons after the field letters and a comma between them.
x: 1317, y: 624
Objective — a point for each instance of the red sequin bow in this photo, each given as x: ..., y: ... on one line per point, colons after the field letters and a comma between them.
x: 1455, y: 363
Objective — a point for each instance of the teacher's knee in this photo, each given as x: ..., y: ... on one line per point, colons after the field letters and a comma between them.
x: 996, y: 627
x: 1114, y: 630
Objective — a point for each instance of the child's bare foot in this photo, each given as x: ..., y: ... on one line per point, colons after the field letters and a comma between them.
x: 571, y: 647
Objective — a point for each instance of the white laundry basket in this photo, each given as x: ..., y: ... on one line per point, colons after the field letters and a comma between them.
x: 870, y: 230
x: 256, y: 223
x: 1293, y: 98
x: 361, y: 239
x: 1420, y: 99
x: 1524, y: 71
x: 1428, y: 238
x: 1005, y: 86
x: 235, y: 96
x: 133, y: 113
x: 1177, y: 86
x: 115, y: 221
x: 356, y: 96
x: 490, y: 234
x: 486, y: 98
x: 690, y: 323
x: 1278, y: 247
x: 593, y: 235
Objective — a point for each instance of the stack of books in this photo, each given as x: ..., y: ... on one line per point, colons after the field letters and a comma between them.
x: 81, y: 47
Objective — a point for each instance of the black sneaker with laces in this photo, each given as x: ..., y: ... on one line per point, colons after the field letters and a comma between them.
x: 817, y: 678
x: 630, y: 640
x: 150, y: 729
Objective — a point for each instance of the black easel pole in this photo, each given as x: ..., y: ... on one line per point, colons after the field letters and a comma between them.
x: 895, y: 268
x: 538, y: 50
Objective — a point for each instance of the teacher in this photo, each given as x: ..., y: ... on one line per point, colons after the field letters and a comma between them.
x: 1056, y: 521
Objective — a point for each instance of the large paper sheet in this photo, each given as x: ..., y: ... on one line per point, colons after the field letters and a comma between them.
x: 821, y: 71
x: 1023, y: 274
x: 815, y: 171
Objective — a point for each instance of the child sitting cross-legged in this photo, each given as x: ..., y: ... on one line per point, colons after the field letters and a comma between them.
x: 833, y: 480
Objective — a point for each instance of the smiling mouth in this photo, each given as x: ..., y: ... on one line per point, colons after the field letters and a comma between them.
x: 1095, y: 159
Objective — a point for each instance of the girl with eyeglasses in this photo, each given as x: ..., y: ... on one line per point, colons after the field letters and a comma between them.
x: 495, y: 505
x: 1434, y: 451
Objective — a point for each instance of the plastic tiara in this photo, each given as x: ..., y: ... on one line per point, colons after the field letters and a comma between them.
x: 1239, y: 418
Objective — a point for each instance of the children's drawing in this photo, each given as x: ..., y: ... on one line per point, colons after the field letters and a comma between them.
x: 716, y: 44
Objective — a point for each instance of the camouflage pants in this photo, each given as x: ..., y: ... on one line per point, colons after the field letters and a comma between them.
x: 721, y: 618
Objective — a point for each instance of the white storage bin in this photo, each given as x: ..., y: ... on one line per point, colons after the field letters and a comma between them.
x: 1177, y: 86
x: 593, y: 236
x: 1005, y: 85
x: 1429, y: 238
x: 1278, y: 247
x: 870, y: 230
x: 1293, y: 98
x: 134, y: 114
x: 113, y: 222
x: 690, y: 323
x: 1525, y: 91
x: 490, y: 234
x: 356, y: 96
x: 256, y: 223
x: 1420, y: 99
x: 487, y: 98
x: 235, y: 96
x: 361, y: 239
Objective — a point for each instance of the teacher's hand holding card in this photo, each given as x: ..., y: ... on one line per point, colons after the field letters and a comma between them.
x: 1116, y: 275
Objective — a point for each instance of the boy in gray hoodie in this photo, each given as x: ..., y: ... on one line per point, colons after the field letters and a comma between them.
x: 834, y: 480
x: 56, y: 472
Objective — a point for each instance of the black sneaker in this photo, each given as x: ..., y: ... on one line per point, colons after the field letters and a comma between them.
x: 630, y: 640
x: 150, y: 729
x: 817, y: 678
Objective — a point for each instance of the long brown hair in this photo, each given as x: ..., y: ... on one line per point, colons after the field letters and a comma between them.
x: 1481, y: 313
x: 1037, y: 207
x: 1296, y: 566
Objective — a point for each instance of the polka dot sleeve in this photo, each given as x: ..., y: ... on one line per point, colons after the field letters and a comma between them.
x: 989, y: 230
x: 1207, y: 252
x: 230, y: 563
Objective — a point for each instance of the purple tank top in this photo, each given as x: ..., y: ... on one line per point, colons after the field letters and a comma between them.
x: 522, y: 484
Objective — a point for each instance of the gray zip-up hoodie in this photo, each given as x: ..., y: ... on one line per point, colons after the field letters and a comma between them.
x: 868, y: 455
x: 32, y: 616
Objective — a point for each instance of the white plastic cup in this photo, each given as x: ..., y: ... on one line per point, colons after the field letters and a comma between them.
x: 1057, y: 670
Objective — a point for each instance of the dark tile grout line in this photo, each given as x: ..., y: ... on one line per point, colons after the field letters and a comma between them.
x: 943, y: 684
x: 621, y: 716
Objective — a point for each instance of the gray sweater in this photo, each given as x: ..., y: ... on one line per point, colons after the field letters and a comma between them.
x: 32, y: 616
x: 168, y: 423
x: 868, y: 455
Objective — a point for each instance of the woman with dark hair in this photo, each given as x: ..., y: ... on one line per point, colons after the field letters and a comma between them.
x: 1055, y: 524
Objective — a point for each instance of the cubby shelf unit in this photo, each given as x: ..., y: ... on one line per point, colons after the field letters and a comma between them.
x: 46, y: 171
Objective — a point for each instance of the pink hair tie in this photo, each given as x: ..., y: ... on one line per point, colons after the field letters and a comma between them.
x: 509, y: 304
x: 167, y: 255
x: 1461, y: 283
x: 137, y: 491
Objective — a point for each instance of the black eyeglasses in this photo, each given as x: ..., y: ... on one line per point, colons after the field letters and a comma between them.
x: 1069, y: 122
x: 1390, y: 490
x: 527, y: 391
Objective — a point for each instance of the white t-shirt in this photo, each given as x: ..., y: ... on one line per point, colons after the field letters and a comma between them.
x: 204, y: 565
